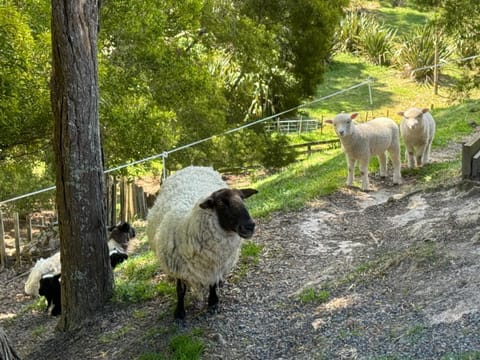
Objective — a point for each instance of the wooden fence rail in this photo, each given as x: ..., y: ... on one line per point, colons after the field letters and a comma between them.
x: 124, y: 201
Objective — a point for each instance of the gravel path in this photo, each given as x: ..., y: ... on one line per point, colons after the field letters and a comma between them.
x: 390, y: 274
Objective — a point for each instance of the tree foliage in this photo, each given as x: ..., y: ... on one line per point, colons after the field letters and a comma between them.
x: 170, y: 73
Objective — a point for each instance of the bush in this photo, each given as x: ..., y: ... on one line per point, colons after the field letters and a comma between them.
x: 376, y: 43
x: 347, y: 37
x: 416, y: 54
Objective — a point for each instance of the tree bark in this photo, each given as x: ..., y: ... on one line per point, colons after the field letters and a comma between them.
x: 87, y: 280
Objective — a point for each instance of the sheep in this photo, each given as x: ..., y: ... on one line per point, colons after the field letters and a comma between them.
x: 195, y: 229
x: 51, y: 289
x: 417, y: 129
x: 361, y: 141
x: 44, y: 278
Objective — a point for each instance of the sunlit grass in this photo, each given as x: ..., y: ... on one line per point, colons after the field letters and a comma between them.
x: 137, y: 280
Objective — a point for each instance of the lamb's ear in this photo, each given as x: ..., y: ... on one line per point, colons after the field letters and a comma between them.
x: 329, y: 121
x: 425, y: 110
x: 353, y: 115
x: 401, y: 113
x: 208, y: 203
x: 248, y: 192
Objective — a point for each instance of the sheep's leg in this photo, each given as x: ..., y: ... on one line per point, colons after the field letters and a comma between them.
x: 426, y: 152
x: 181, y: 290
x: 382, y: 159
x: 212, y: 299
x: 397, y: 165
x: 351, y: 170
x: 57, y: 309
x: 49, y: 302
x: 410, y: 155
x: 364, y: 172
x: 419, y: 154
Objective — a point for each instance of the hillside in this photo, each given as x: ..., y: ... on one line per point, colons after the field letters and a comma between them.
x: 389, y: 274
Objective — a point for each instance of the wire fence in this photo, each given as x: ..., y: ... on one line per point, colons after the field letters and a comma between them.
x: 164, y: 155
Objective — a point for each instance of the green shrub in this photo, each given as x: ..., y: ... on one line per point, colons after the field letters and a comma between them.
x: 416, y: 53
x: 376, y: 43
x: 347, y: 36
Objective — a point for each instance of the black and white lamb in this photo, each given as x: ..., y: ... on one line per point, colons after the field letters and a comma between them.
x: 45, y: 276
x: 196, y: 228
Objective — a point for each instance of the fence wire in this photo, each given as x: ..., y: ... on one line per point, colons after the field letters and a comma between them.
x: 164, y: 155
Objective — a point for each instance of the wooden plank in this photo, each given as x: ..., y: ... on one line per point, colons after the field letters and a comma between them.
x: 476, y: 166
x: 17, y: 239
x: 469, y: 149
x: 3, y: 253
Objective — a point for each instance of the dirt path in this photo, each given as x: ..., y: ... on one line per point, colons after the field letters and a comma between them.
x: 390, y: 274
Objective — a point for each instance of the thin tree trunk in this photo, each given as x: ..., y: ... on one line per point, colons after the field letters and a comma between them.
x: 87, y: 280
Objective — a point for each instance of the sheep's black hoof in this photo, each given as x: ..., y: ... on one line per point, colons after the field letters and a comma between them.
x: 213, y: 309
x: 56, y: 311
x: 179, y: 314
x: 180, y: 322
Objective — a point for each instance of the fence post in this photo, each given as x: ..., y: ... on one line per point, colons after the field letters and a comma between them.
x: 17, y: 239
x: 130, y: 204
x: 3, y: 253
x: 29, y: 229
x: 113, y: 204
x: 123, y: 199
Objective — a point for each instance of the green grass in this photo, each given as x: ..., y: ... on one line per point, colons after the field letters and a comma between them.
x: 188, y: 346
x: 470, y: 355
x: 323, y: 173
x: 311, y: 295
x: 136, y: 280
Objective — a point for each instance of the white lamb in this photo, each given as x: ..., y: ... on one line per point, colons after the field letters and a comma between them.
x: 195, y: 228
x: 50, y: 265
x: 361, y: 141
x: 417, y: 129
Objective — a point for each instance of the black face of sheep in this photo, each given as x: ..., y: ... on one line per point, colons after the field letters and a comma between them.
x: 122, y: 233
x: 50, y: 288
x: 231, y: 211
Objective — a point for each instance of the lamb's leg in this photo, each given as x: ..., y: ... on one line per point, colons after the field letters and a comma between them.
x: 57, y: 309
x: 397, y: 166
x: 181, y: 290
x: 351, y: 170
x: 382, y: 159
x: 426, y: 152
x: 410, y: 155
x: 364, y: 172
x: 212, y: 299
x: 419, y: 154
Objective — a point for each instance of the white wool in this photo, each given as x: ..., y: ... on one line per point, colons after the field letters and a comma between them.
x: 187, y: 239
x: 417, y: 129
x: 42, y: 267
x: 372, y: 138
x: 114, y: 246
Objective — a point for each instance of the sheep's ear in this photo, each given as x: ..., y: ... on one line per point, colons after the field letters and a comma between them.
x: 248, y: 192
x: 208, y: 203
x: 110, y: 228
x: 425, y: 110
x: 329, y: 121
x: 353, y: 115
x: 401, y: 113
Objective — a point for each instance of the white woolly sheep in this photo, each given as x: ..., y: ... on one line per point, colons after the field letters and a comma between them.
x: 417, y: 129
x: 361, y: 141
x: 44, y: 278
x: 195, y: 228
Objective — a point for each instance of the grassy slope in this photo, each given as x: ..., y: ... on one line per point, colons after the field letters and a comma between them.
x: 298, y: 184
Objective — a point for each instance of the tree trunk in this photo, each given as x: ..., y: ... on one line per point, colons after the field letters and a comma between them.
x: 87, y: 280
